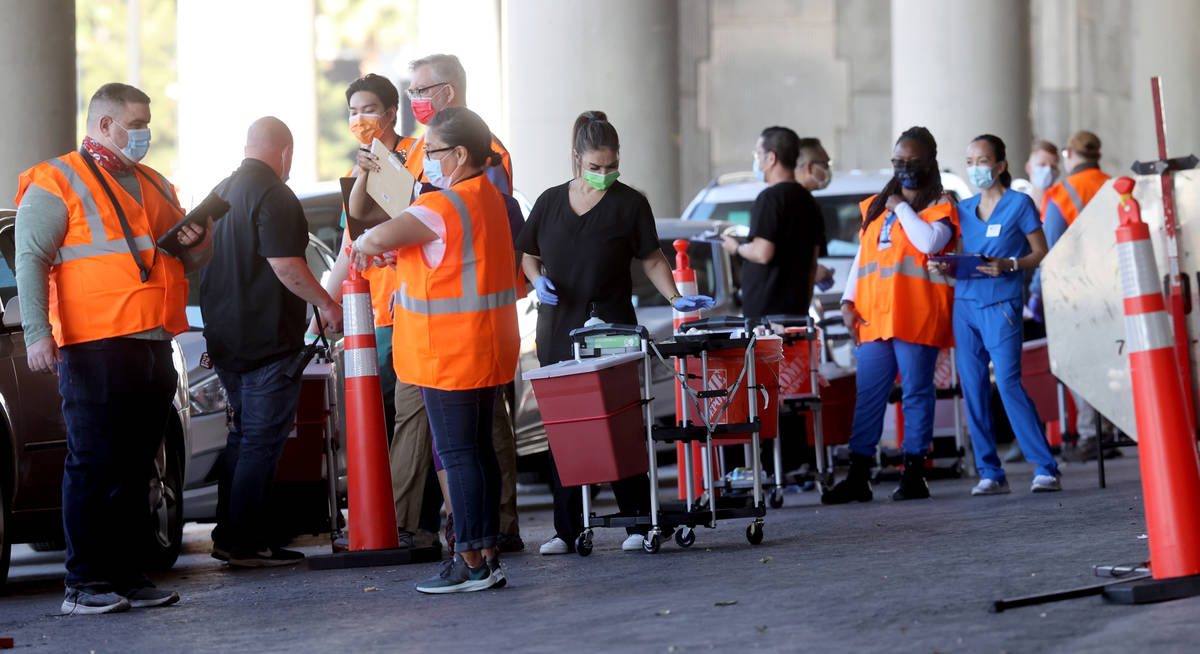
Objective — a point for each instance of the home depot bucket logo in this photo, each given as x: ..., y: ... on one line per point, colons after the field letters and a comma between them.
x: 943, y: 373
x: 795, y: 371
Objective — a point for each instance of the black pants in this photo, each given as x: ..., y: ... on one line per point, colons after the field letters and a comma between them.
x: 116, y: 401
x: 633, y: 498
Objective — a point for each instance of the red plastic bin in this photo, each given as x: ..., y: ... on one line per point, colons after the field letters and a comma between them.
x: 593, y: 416
x: 724, y: 367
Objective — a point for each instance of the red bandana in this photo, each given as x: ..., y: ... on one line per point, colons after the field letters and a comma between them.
x: 104, y: 157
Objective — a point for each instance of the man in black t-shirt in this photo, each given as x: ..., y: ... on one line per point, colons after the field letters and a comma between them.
x: 787, y: 232
x: 253, y: 295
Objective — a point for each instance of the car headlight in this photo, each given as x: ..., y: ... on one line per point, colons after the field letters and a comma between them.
x: 208, y: 397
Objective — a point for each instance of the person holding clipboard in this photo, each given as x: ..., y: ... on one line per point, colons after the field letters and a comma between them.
x: 1003, y: 226
x: 898, y: 313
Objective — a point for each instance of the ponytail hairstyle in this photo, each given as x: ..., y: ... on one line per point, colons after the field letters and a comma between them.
x: 592, y: 131
x: 999, y: 153
x: 927, y: 194
x: 460, y: 126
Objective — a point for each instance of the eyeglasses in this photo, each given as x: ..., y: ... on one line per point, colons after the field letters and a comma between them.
x: 425, y: 91
x: 448, y: 147
x: 898, y: 163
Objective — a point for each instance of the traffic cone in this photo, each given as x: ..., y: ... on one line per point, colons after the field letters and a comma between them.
x: 1170, y: 464
x: 374, y: 539
x: 685, y: 281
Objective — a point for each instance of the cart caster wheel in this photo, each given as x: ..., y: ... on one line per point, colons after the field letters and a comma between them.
x: 776, y: 498
x: 651, y: 544
x: 685, y: 537
x: 583, y: 544
x: 754, y: 533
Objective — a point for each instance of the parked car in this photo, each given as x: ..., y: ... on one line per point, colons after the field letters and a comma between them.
x: 33, y: 444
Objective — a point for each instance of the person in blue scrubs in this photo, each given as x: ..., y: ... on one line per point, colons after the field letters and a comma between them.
x: 1003, y: 226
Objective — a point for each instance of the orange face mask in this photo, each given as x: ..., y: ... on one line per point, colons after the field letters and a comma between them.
x: 366, y: 127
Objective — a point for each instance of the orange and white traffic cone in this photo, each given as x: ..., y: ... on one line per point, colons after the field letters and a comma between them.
x: 1170, y: 464
x: 374, y: 539
x: 685, y: 281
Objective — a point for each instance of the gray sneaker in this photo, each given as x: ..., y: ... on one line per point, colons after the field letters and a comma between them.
x: 991, y: 487
x: 497, y: 572
x: 148, y: 596
x: 81, y: 601
x: 1045, y: 484
x: 458, y: 577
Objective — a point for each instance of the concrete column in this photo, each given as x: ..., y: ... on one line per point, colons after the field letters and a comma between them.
x: 562, y: 57
x: 260, y: 64
x: 1164, y: 43
x: 469, y: 30
x: 37, y: 69
x: 961, y: 68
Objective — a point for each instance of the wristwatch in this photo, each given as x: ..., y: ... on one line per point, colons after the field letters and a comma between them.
x: 1015, y: 265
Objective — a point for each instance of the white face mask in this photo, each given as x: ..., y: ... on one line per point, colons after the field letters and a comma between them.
x: 824, y: 172
x: 1043, y: 177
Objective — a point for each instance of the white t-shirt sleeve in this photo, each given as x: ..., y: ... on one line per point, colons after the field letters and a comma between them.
x: 926, y: 237
x: 433, y: 251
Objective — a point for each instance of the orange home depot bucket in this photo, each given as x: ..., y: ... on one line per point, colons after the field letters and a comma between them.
x: 795, y: 371
x: 724, y: 368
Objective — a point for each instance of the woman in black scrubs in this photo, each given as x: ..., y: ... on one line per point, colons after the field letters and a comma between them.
x: 579, y: 242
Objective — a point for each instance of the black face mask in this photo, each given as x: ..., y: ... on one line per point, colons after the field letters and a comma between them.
x: 911, y: 176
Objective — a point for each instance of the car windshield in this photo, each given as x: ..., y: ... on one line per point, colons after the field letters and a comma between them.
x: 701, y: 255
x: 732, y: 212
x: 842, y: 221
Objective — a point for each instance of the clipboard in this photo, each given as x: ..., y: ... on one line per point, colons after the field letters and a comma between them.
x: 392, y: 186
x: 962, y: 266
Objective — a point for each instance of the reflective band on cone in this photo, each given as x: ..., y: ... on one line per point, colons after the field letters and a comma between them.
x: 1170, y: 463
x: 372, y: 511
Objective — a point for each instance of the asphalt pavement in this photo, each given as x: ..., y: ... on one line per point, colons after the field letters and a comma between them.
x: 915, y: 576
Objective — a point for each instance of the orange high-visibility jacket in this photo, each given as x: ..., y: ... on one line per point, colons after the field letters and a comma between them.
x: 96, y: 290
x: 455, y: 326
x: 1074, y: 193
x: 895, y: 294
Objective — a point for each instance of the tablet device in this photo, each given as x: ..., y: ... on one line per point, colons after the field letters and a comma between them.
x: 391, y: 187
x: 353, y: 225
x: 213, y: 205
x: 962, y: 266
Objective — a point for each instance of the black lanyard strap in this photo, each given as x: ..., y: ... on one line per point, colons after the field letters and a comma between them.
x: 125, y: 228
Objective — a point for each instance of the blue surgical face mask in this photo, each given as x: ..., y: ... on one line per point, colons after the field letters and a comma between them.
x: 758, y: 173
x: 1043, y: 177
x: 138, y: 144
x: 433, y: 170
x: 980, y: 176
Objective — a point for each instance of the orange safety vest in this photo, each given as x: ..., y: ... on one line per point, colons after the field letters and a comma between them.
x: 96, y: 289
x: 895, y: 293
x: 455, y: 326
x: 1074, y: 193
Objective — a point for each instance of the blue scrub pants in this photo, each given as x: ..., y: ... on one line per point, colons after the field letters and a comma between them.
x: 994, y: 332
x: 878, y: 362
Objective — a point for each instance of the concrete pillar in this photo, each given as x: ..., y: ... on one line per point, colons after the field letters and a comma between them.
x: 961, y: 68
x: 562, y: 57
x: 37, y: 70
x: 469, y: 30
x: 1164, y: 43
x: 260, y: 64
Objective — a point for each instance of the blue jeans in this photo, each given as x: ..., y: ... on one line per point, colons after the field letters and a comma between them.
x: 461, y: 422
x: 116, y: 402
x: 994, y: 332
x: 878, y: 362
x: 262, y: 408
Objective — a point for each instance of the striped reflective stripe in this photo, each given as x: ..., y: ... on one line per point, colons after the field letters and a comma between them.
x: 1074, y: 195
x: 357, y: 311
x: 1137, y: 280
x: 100, y: 245
x: 907, y: 267
x: 1148, y: 331
x: 469, y: 300
x: 361, y: 362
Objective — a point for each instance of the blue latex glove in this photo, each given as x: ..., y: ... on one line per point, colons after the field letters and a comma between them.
x: 545, y: 290
x: 689, y: 303
x: 1035, y: 307
x: 825, y: 285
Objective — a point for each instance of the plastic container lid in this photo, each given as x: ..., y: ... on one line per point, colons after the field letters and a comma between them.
x: 573, y: 367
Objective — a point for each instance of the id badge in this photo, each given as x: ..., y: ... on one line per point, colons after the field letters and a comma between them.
x: 994, y: 230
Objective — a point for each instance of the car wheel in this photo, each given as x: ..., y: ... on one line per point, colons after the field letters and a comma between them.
x: 162, y: 534
x: 5, y: 545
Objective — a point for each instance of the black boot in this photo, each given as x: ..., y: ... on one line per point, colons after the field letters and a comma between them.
x: 856, y: 487
x: 912, y: 480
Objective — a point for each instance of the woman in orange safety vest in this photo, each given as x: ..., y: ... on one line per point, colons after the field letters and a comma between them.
x: 455, y: 327
x: 898, y: 313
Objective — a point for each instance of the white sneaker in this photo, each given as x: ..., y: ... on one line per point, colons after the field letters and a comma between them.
x: 991, y: 487
x: 1045, y: 484
x: 633, y: 543
x: 555, y: 545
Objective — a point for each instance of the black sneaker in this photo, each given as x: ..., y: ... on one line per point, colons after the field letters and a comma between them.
x: 220, y: 552
x: 458, y: 577
x: 148, y: 596
x: 81, y: 601
x: 267, y: 558
x: 509, y: 543
x: 493, y: 565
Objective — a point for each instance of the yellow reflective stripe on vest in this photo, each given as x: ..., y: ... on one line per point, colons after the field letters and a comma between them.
x: 469, y: 299
x: 908, y: 267
x: 100, y: 245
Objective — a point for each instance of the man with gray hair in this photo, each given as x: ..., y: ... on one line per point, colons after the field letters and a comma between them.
x: 100, y: 312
